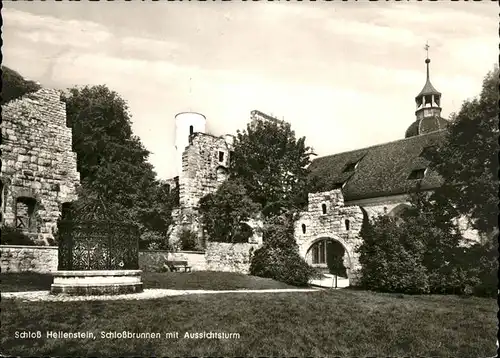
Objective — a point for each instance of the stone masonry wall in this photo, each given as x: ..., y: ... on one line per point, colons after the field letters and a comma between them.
x: 331, y: 225
x: 42, y: 259
x: 37, y: 160
x: 227, y: 257
x: 202, y: 173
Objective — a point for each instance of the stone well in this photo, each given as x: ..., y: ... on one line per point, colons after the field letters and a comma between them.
x: 97, y: 258
x: 97, y: 282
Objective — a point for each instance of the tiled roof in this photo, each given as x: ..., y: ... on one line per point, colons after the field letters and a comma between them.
x: 381, y: 170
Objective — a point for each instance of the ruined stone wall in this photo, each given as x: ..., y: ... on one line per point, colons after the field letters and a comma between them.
x: 202, y: 169
x: 37, y: 161
x: 227, y: 257
x: 42, y: 259
x: 332, y: 224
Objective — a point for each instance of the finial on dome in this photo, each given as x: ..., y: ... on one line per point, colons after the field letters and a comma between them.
x: 427, y: 60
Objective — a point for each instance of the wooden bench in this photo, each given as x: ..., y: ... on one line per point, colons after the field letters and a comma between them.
x: 177, y: 266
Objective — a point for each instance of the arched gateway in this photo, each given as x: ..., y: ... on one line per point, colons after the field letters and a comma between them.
x: 328, y: 233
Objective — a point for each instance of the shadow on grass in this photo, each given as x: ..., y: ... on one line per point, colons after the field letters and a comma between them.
x: 25, y: 281
x: 326, y: 323
x: 198, y: 280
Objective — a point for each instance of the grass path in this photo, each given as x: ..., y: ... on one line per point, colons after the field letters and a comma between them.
x: 146, y: 294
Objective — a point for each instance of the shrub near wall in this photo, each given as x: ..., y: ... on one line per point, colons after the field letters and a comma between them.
x: 279, y: 257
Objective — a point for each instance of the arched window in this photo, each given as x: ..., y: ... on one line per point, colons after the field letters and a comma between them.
x: 303, y: 228
x: 191, y: 130
x: 347, y: 224
x: 319, y: 252
x: 323, y: 208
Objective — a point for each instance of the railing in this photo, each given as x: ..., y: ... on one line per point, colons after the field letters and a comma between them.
x: 98, y: 245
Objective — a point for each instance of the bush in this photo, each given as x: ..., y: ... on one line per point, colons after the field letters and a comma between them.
x: 188, y: 240
x: 388, y: 263
x: 13, y: 236
x: 279, y: 258
x: 484, y: 258
x: 422, y: 253
x: 284, y: 265
x: 151, y: 240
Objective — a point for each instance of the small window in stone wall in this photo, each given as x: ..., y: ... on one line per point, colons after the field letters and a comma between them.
x: 25, y: 213
x: 65, y: 211
x: 221, y: 156
x: 191, y: 130
x: 323, y: 208
x: 347, y: 224
x: 303, y: 228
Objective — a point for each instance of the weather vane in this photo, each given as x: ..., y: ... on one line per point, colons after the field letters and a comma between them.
x: 427, y: 48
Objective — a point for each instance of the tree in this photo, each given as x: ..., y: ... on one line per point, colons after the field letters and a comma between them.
x: 422, y: 251
x: 468, y: 159
x: 271, y: 164
x: 225, y: 212
x: 390, y: 260
x: 113, y: 162
x: 15, y: 86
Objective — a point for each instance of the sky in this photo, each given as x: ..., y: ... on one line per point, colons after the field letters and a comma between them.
x: 345, y: 75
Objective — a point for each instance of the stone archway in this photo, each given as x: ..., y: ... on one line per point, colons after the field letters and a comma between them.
x: 332, y: 257
x: 398, y: 210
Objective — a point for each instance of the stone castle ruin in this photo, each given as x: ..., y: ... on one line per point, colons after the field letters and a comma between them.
x: 203, y: 162
x: 39, y: 176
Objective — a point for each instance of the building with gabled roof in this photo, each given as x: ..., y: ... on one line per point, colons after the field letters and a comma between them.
x: 358, y: 185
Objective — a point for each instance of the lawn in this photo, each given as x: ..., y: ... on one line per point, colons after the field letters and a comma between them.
x: 199, y: 280
x: 324, y: 323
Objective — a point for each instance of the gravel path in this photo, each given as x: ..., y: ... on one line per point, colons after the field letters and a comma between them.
x: 146, y: 294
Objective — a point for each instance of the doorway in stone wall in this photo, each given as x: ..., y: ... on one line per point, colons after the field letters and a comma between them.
x: 329, y: 257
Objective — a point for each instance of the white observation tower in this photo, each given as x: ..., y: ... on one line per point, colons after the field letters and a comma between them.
x: 186, y: 123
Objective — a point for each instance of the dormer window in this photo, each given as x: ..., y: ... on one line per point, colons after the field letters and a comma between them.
x: 350, y: 167
x: 221, y: 156
x: 338, y: 185
x: 417, y: 174
x: 430, y: 148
